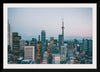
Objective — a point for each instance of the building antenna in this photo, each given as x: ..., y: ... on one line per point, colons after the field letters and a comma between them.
x: 62, y: 31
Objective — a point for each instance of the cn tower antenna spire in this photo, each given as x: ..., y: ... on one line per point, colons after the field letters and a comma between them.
x: 62, y: 31
x: 62, y: 22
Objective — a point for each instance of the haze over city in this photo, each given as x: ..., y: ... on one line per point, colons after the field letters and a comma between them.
x: 29, y: 22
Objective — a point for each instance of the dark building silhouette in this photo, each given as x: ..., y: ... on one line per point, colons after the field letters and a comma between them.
x: 16, y: 44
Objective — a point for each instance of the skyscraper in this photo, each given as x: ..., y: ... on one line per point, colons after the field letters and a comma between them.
x: 46, y: 45
x: 60, y: 41
x: 38, y: 53
x: 10, y: 36
x: 43, y: 36
x: 90, y: 48
x: 43, y: 40
x: 16, y: 44
x: 38, y: 37
x: 86, y: 45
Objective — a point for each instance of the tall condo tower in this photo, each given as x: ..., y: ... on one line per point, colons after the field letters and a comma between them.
x: 62, y: 32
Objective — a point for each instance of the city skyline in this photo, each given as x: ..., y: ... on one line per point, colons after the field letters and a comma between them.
x: 28, y: 22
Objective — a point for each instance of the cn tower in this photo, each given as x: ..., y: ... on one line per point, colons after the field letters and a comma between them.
x: 62, y: 32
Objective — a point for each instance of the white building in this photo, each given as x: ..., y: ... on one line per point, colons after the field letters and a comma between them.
x: 29, y: 53
x: 10, y: 35
x: 57, y: 58
x: 45, y: 57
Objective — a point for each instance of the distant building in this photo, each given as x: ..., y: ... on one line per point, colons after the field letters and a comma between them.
x: 53, y: 46
x: 49, y: 58
x: 60, y: 41
x: 63, y: 51
x: 51, y: 40
x: 76, y: 41
x: 63, y: 55
x: 10, y: 37
x: 78, y: 48
x: 43, y: 40
x: 55, y: 42
x: 85, y: 45
x: 33, y: 42
x: 29, y: 53
x: 53, y: 49
x: 38, y: 54
x: 57, y: 58
x: 38, y: 37
x: 46, y: 45
x: 43, y: 36
x: 16, y: 44
x: 22, y: 44
x: 70, y: 49
x: 81, y: 47
x: 90, y: 48
x: 26, y: 43
x: 45, y: 57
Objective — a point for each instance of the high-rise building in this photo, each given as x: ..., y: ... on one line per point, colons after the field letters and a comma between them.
x: 81, y: 47
x: 29, y: 53
x: 63, y: 54
x: 33, y: 42
x: 46, y: 45
x: 22, y: 44
x: 38, y: 53
x: 10, y: 36
x: 16, y: 44
x: 86, y: 45
x: 43, y: 36
x: 43, y: 40
x: 38, y: 37
x: 52, y: 45
x: 60, y: 41
x: 63, y: 51
x: 70, y: 49
x: 90, y: 48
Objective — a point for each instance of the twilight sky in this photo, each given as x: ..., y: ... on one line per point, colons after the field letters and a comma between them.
x: 29, y: 22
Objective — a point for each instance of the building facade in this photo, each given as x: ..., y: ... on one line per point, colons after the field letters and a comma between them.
x: 43, y: 41
x: 22, y: 44
x: 16, y: 44
x: 29, y: 53
x: 10, y: 37
x: 60, y: 42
